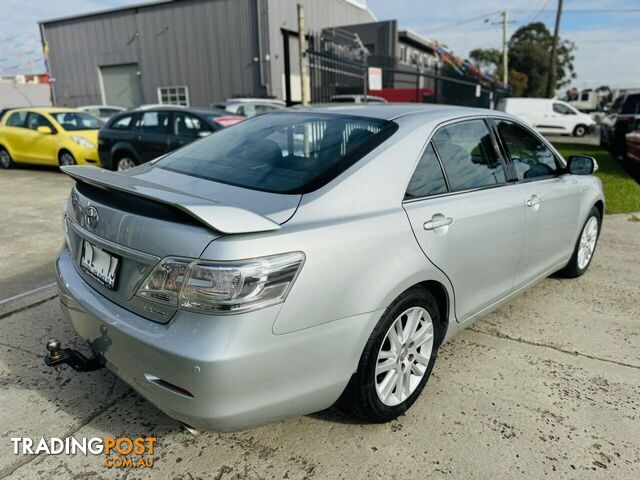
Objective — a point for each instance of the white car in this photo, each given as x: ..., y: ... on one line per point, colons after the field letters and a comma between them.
x: 250, y: 107
x: 549, y: 115
x: 103, y: 112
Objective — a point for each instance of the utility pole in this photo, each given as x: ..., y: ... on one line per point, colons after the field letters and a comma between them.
x: 302, y: 39
x: 551, y: 75
x: 505, y: 45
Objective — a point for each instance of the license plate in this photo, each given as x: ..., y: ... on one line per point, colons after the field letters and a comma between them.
x: 99, y: 264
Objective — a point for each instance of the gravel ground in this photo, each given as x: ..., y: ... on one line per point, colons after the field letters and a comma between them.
x: 546, y: 387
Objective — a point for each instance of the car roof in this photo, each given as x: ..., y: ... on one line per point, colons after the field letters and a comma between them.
x: 391, y: 111
x: 46, y: 109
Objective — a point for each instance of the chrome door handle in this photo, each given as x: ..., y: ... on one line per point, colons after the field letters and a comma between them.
x: 533, y: 201
x: 437, y: 221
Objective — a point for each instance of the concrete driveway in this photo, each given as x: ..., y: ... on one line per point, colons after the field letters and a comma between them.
x: 546, y: 387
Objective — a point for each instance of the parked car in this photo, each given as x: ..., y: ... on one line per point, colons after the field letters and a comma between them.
x: 250, y: 107
x: 48, y: 136
x: 549, y: 115
x: 618, y: 121
x: 103, y: 112
x: 357, y: 99
x: 136, y: 137
x: 633, y: 144
x: 253, y: 276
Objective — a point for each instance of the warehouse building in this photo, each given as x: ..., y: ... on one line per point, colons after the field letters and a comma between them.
x: 187, y: 52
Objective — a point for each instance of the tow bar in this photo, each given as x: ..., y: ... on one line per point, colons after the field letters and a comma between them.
x: 73, y: 358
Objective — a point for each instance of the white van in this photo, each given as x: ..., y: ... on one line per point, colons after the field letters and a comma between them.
x: 549, y: 115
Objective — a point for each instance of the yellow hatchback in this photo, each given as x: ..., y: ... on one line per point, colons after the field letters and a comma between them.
x: 48, y: 136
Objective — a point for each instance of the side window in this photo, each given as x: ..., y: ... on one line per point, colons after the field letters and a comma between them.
x: 186, y: 125
x: 529, y: 155
x: 562, y: 109
x: 123, y: 123
x: 154, y: 122
x: 428, y: 178
x: 36, y: 120
x: 468, y: 156
x: 17, y: 119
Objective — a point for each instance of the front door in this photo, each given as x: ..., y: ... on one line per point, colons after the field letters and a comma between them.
x: 472, y: 227
x: 551, y: 197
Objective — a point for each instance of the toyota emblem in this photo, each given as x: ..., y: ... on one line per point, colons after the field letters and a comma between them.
x: 91, y: 217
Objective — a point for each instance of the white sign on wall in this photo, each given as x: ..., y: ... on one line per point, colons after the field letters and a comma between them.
x: 375, y: 78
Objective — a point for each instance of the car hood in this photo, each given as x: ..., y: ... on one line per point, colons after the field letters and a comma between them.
x: 91, y: 135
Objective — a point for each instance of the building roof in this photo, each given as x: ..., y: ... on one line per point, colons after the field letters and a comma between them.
x: 415, y: 38
x: 135, y: 6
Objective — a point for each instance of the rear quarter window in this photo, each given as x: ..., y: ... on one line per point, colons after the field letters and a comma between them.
x: 631, y: 106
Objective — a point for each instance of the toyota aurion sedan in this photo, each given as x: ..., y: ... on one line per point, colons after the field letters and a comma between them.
x: 313, y: 257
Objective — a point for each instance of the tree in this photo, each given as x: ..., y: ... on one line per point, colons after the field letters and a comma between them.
x: 529, y: 51
x: 488, y: 60
x: 519, y: 82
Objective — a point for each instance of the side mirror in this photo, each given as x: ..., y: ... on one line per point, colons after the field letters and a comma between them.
x: 582, y: 165
x: 43, y: 129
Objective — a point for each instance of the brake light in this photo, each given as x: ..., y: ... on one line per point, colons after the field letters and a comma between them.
x: 228, y: 121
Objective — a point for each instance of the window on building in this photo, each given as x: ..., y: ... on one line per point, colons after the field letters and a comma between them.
x: 403, y: 54
x: 174, y: 95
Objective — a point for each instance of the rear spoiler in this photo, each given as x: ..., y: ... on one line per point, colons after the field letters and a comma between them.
x: 215, y: 215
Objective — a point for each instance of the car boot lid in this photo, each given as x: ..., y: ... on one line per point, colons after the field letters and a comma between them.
x: 216, y: 215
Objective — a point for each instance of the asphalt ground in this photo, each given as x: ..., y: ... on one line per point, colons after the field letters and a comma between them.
x: 548, y: 386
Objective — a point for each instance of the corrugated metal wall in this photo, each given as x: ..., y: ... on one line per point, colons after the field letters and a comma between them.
x: 319, y: 14
x: 208, y: 45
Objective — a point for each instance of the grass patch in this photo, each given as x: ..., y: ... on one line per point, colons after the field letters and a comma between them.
x: 621, y: 192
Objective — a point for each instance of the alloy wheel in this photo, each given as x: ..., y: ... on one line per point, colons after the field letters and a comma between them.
x: 580, y: 131
x: 125, y: 163
x: 67, y: 159
x: 587, y: 244
x: 5, y: 159
x: 404, y: 356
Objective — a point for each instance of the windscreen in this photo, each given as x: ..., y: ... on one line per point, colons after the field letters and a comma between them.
x: 281, y: 152
x: 71, y: 121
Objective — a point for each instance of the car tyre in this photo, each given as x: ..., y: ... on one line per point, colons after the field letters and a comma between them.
x: 5, y: 159
x: 397, y: 360
x: 125, y: 163
x: 65, y: 159
x: 580, y: 131
x: 585, y: 246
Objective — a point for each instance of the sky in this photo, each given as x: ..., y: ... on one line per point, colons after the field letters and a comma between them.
x: 608, y: 40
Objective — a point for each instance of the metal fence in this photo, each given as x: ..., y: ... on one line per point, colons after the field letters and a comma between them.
x: 339, y: 67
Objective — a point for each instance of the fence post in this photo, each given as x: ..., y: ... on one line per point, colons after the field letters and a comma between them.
x: 302, y: 40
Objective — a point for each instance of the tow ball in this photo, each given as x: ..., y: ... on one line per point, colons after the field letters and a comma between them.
x: 73, y: 358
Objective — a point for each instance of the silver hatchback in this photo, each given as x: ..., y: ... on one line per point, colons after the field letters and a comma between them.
x: 314, y: 257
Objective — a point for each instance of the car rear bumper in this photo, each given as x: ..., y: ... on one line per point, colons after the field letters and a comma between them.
x: 237, y: 373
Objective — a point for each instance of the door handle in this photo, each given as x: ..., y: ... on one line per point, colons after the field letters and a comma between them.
x: 533, y: 201
x: 437, y: 221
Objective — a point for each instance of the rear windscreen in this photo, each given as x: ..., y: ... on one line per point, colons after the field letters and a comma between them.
x: 281, y: 152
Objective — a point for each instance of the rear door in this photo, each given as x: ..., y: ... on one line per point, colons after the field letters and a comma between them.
x: 472, y: 225
x: 14, y: 133
x: 551, y: 197
x: 153, y: 134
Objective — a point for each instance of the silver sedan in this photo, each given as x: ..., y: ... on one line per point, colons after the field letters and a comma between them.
x: 315, y: 257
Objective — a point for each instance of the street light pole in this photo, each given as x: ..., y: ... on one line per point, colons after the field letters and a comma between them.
x: 505, y: 48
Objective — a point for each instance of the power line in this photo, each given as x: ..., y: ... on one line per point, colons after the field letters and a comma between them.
x: 461, y: 22
x: 539, y: 11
